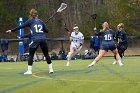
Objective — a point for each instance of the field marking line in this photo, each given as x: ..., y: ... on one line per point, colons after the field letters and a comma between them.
x: 72, y: 80
x: 21, y: 86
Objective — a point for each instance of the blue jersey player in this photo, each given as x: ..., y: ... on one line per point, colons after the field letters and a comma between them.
x: 122, y: 40
x: 38, y: 38
x: 107, y: 44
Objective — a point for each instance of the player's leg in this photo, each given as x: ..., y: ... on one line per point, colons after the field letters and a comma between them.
x: 118, y: 58
x: 72, y: 53
x: 121, y: 52
x: 101, y: 54
x: 44, y: 49
x: 30, y: 60
x: 115, y: 60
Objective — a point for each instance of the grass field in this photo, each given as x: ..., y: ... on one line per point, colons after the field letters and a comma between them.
x: 103, y: 78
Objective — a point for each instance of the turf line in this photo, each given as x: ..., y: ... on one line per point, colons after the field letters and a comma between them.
x: 72, y: 80
x: 21, y: 86
x: 130, y: 81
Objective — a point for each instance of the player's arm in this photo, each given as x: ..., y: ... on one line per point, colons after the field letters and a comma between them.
x: 66, y: 29
x: 19, y: 27
x: 72, y: 37
x: 125, y: 39
x: 45, y: 28
x: 82, y: 39
x: 114, y: 34
x: 69, y: 32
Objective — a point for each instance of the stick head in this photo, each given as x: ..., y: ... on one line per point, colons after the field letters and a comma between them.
x: 62, y: 7
x: 94, y: 16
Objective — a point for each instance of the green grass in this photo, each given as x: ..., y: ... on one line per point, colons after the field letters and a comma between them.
x: 103, y: 78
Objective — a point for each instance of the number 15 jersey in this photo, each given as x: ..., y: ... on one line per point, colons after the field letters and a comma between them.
x: 108, y: 40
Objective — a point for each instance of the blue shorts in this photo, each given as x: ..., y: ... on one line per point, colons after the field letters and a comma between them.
x: 96, y: 48
x: 36, y: 43
x: 107, y: 47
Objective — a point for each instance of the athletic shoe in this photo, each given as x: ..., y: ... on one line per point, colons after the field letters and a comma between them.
x: 114, y: 63
x: 121, y: 64
x: 28, y: 73
x: 90, y: 65
x: 50, y: 71
x: 68, y: 63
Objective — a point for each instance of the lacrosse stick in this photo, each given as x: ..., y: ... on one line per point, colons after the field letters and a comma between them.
x: 94, y: 16
x: 60, y: 9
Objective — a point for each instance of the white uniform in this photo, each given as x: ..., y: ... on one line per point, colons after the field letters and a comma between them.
x: 76, y: 40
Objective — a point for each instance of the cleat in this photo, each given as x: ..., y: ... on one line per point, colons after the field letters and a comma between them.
x: 28, y: 73
x: 121, y: 64
x: 114, y: 63
x: 90, y: 65
x: 68, y: 63
x: 51, y: 71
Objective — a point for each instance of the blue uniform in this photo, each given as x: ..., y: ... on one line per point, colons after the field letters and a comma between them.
x: 95, y: 42
x: 37, y: 28
x: 122, y: 38
x: 37, y: 37
x: 108, y: 40
x: 122, y: 41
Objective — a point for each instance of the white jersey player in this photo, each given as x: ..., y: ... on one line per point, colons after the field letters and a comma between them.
x: 77, y: 40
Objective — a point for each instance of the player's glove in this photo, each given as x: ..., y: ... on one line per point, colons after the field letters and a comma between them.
x: 71, y: 39
x: 8, y: 31
x: 81, y: 44
x: 119, y: 40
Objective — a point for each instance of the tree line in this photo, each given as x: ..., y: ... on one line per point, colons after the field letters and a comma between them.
x: 78, y: 11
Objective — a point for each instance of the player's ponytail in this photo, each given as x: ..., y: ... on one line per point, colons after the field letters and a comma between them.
x: 33, y: 13
x: 105, y: 27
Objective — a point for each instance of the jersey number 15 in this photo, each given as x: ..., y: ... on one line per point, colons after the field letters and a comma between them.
x: 108, y: 37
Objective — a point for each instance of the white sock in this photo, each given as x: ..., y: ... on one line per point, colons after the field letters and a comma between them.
x: 94, y: 62
x: 29, y: 68
x: 120, y: 61
x: 115, y: 61
x: 50, y: 66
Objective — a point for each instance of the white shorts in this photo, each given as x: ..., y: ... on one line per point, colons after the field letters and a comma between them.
x: 76, y: 46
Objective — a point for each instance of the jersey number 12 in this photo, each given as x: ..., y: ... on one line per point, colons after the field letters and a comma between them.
x: 38, y: 28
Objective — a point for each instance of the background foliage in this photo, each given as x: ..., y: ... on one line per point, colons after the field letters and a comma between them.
x: 78, y: 11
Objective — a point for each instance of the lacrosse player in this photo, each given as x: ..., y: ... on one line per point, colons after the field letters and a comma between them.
x: 107, y: 44
x: 38, y: 38
x: 122, y: 41
x: 77, y: 40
